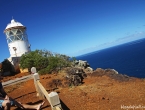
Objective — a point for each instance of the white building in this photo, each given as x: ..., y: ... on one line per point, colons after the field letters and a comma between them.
x: 17, y: 40
x: 18, y: 43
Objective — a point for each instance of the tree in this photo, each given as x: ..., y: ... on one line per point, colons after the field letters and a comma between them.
x: 44, y: 61
x: 34, y: 59
x: 6, y: 66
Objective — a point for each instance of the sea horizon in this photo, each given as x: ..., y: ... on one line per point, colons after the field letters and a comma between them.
x: 127, y: 58
x: 95, y: 51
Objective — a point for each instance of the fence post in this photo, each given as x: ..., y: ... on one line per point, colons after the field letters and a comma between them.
x: 33, y: 70
x: 52, y: 97
x: 37, y: 78
x: 54, y: 101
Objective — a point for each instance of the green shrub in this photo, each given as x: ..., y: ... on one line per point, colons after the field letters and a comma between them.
x: 44, y: 61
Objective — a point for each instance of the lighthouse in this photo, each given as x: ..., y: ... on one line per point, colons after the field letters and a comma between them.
x: 17, y: 39
x: 18, y: 45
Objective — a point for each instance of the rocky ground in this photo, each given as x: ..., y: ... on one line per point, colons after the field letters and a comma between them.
x: 99, y: 91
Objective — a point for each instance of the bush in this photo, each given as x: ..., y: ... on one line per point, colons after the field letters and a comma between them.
x: 43, y: 71
x: 44, y: 61
x: 7, y: 66
x: 34, y: 59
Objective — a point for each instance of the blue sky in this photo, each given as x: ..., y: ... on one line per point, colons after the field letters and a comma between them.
x: 74, y: 27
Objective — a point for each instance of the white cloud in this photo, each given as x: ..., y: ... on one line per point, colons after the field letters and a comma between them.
x: 133, y: 37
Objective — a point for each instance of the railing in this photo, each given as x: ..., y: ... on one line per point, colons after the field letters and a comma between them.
x: 52, y: 97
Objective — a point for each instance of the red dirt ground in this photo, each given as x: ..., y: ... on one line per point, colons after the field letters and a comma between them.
x: 96, y: 93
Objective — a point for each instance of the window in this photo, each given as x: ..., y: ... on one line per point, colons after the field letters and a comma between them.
x: 10, y: 34
x: 7, y: 33
x: 9, y: 41
x: 14, y: 31
x: 12, y: 38
x: 19, y: 32
x: 19, y: 36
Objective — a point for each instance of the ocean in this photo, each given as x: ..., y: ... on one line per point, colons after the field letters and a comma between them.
x: 128, y: 58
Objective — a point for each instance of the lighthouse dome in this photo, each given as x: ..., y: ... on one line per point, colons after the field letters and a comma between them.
x: 13, y: 24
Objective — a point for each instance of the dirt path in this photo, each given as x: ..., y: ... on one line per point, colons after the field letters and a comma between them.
x: 96, y: 93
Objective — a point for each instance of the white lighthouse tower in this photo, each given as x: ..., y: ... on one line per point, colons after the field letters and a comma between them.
x: 18, y: 44
x: 17, y: 39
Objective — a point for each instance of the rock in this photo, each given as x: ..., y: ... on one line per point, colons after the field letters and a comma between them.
x: 81, y: 64
x: 111, y: 71
x: 75, y: 76
x: 99, y: 72
x: 88, y: 70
